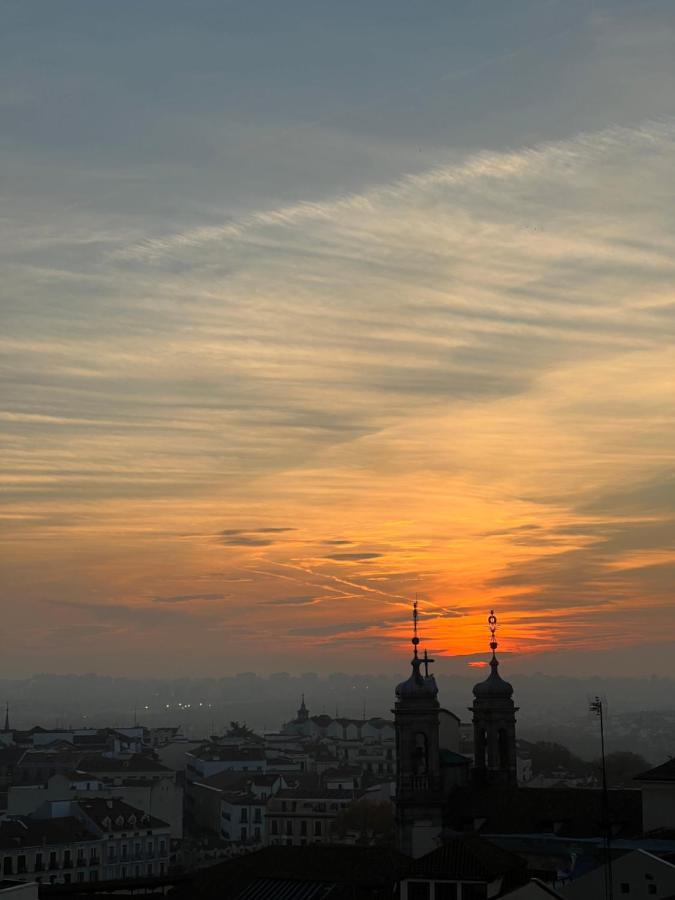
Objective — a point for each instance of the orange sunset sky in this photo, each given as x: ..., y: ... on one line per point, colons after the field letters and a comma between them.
x: 288, y: 342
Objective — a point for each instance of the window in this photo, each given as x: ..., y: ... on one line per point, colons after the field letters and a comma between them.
x: 39, y: 866
x: 80, y: 876
x: 257, y: 815
x: 7, y: 866
x: 317, y: 828
x: 420, y: 754
x: 257, y: 832
x: 21, y: 864
x: 93, y: 875
x: 162, y: 847
x: 275, y: 826
x: 242, y: 834
x: 624, y: 888
x: 445, y: 890
x: 651, y: 889
x: 303, y: 827
x: 289, y: 826
x: 419, y: 890
x: 243, y: 817
x: 474, y: 891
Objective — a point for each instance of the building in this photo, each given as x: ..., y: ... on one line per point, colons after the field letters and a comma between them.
x: 463, y: 868
x: 211, y: 758
x: 494, y: 724
x: 133, y: 843
x: 306, y: 814
x: 137, y: 780
x: 50, y: 850
x: 634, y: 874
x: 658, y: 797
x: 68, y: 841
x: 419, y: 798
x: 18, y: 890
x: 232, y: 805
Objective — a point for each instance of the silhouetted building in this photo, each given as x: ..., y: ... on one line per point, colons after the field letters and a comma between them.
x: 419, y: 795
x: 494, y: 724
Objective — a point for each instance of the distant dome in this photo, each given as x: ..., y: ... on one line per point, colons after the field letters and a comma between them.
x: 418, y: 685
x: 494, y: 685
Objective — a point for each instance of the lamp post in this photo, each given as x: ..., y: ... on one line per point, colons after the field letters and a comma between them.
x: 596, y: 707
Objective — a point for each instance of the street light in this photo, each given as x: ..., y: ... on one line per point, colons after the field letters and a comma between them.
x: 596, y: 706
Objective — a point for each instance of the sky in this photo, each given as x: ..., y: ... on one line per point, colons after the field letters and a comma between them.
x: 310, y: 308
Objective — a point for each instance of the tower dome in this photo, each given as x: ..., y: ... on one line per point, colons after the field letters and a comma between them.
x: 494, y: 686
x: 418, y: 686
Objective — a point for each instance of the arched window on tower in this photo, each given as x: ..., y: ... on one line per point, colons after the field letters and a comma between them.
x: 421, y: 754
x: 503, y: 740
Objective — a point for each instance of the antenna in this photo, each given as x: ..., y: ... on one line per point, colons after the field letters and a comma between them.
x: 596, y: 706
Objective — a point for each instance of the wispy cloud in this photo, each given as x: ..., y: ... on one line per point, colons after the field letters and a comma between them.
x: 465, y: 375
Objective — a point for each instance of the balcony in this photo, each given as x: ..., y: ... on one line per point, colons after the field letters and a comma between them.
x: 67, y: 864
x: 94, y: 861
x: 418, y: 784
x: 39, y: 867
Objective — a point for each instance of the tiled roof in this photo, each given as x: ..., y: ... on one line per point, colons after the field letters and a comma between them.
x: 568, y: 812
x: 468, y: 858
x: 450, y: 759
x: 319, y: 793
x: 27, y: 832
x: 99, y: 809
x: 50, y: 758
x: 100, y: 764
x: 228, y: 754
x: 664, y: 772
x: 345, y: 871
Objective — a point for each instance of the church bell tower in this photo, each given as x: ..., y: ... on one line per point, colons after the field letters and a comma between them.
x: 419, y: 800
x: 494, y: 724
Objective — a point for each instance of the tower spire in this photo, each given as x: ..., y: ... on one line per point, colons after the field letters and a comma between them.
x: 492, y: 622
x: 415, y: 640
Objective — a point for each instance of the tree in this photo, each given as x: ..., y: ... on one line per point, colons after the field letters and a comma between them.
x: 549, y: 757
x: 623, y: 766
x: 238, y: 730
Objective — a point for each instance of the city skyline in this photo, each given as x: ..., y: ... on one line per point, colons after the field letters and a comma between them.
x: 310, y: 312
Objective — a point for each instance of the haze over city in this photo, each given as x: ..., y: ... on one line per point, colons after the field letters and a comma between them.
x: 313, y: 308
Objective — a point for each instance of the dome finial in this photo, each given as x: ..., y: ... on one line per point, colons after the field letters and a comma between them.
x: 492, y: 622
x: 415, y: 639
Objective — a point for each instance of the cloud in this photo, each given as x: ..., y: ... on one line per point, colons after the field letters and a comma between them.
x: 246, y: 541
x: 353, y: 557
x: 468, y: 367
x: 187, y: 598
x: 302, y: 600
